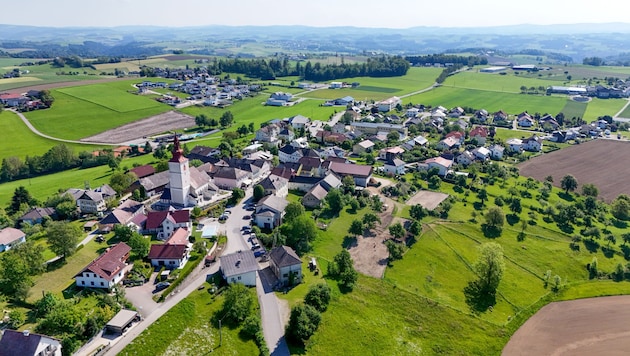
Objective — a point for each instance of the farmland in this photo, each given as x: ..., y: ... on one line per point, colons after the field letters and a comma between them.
x: 586, y: 162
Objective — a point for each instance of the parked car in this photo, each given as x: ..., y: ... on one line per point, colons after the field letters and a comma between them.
x: 99, y: 238
x: 259, y: 252
x: 161, y: 286
x: 247, y: 217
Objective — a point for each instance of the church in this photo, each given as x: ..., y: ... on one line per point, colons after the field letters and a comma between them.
x: 188, y: 186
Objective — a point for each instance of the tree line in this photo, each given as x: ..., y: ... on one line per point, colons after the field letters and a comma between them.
x: 447, y: 58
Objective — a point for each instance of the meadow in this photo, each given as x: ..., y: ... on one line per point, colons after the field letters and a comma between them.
x: 41, y: 74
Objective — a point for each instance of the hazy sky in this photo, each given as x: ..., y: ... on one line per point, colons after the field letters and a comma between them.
x: 359, y: 13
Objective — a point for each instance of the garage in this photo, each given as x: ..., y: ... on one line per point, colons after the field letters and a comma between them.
x: 121, y: 321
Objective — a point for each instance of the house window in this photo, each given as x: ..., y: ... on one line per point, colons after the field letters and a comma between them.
x: 171, y: 262
x: 102, y: 284
x: 285, y: 275
x: 239, y: 278
x: 82, y: 283
x: 92, y: 283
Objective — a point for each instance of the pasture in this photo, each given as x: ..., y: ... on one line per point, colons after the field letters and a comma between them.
x: 574, y: 109
x: 109, y: 97
x: 587, y: 163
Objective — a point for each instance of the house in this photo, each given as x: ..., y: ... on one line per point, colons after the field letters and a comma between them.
x: 95, y: 201
x: 275, y: 185
x: 286, y: 134
x: 344, y: 101
x: 515, y: 144
x: 10, y: 237
x: 239, y: 267
x: 299, y: 122
x: 292, y: 154
x: 500, y: 117
x: 360, y: 173
x: 448, y: 144
x: 533, y: 144
x: 388, y: 104
x: 373, y: 128
x: 394, y: 166
x: 25, y: 343
x: 143, y: 171
x: 286, y: 265
x: 122, y: 215
x: 390, y: 153
x: 37, y: 215
x: 315, y: 196
x: 270, y: 211
x: 442, y: 164
x: 362, y: 147
x: 456, y: 112
x: 174, y: 253
x: 558, y: 136
x: 465, y: 158
x: 481, y: 153
x: 524, y: 120
x: 268, y: 133
x: 332, y: 151
x: 458, y: 135
x: 480, y: 116
x: 13, y: 100
x: 164, y: 223
x: 152, y: 185
x: 480, y: 134
x: 107, y: 270
x: 335, y: 85
x: 281, y: 96
x: 205, y: 154
x: 412, y: 112
x: 416, y: 141
x: 496, y: 151
x: 230, y: 177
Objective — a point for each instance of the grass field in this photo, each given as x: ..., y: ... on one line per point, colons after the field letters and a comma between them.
x: 75, y: 117
x: 41, y: 74
x: 23, y: 142
x: 574, y: 109
x: 625, y: 113
x: 187, y: 327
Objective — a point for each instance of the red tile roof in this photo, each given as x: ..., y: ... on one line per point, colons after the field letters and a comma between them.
x: 179, y: 237
x: 156, y: 218
x: 167, y: 251
x: 143, y: 171
x: 109, y: 263
x: 479, y: 131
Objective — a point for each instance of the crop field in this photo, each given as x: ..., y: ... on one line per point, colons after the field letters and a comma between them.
x: 625, y: 113
x: 600, y: 107
x: 493, y: 81
x: 574, y: 109
x: 587, y: 163
x: 22, y: 142
x: 73, y: 118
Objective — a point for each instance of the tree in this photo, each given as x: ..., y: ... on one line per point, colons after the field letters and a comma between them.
x: 334, y: 199
x: 226, y: 119
x: 124, y: 233
x: 45, y: 305
x: 63, y: 237
x: 397, y: 231
x: 356, y: 227
x: 590, y: 190
x: 418, y: 212
x: 348, y: 184
x: 342, y: 269
x: 300, y: 232
x: 620, y: 207
x: 482, y: 194
x: 121, y: 181
x: 32, y: 255
x: 396, y: 249
x: 259, y: 192
x: 515, y: 206
x: 139, y: 245
x: 611, y: 239
x: 495, y: 218
x: 20, y: 196
x: 15, y: 280
x: 293, y: 211
x: 318, y: 296
x: 415, y: 228
x: 237, y: 195
x: 303, y: 323
x: 568, y: 183
x: 377, y: 203
x: 370, y: 220
x: 434, y: 182
x: 16, y: 318
x: 237, y: 303
x: 489, y: 269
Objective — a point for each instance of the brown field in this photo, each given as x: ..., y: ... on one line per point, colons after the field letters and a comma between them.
x: 601, y: 162
x: 595, y: 326
x: 429, y: 200
x: 167, y: 121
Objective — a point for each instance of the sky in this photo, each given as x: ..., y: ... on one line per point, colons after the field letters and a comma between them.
x: 319, y: 13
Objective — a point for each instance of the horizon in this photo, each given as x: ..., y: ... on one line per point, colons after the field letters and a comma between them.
x: 322, y: 14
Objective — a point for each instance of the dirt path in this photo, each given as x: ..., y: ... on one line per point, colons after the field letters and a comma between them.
x: 594, y: 326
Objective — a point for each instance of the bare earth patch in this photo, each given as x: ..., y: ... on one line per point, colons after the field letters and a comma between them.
x: 428, y: 200
x: 167, y: 121
x: 595, y: 326
x: 601, y: 162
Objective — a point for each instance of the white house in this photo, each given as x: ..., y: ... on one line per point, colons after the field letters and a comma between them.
x: 286, y: 265
x: 533, y: 144
x: 335, y: 85
x: 496, y: 151
x: 388, y: 104
x: 395, y: 166
x: 25, y: 343
x: 229, y: 178
x: 363, y: 146
x: 299, y: 122
x: 448, y: 143
x: 239, y: 267
x: 10, y: 237
x: 481, y: 153
x: 443, y: 164
x: 515, y: 144
x: 465, y: 158
x: 269, y: 211
x: 275, y: 185
x: 174, y: 253
x: 106, y: 270
x: 412, y: 112
x: 268, y: 133
x: 164, y: 223
x: 480, y: 134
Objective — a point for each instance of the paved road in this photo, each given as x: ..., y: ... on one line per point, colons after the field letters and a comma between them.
x: 271, y: 314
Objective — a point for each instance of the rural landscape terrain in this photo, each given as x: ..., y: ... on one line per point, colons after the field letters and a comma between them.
x: 437, y: 194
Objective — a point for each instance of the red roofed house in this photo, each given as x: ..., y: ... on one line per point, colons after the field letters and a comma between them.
x: 479, y: 133
x: 107, y: 270
x: 174, y: 253
x: 12, y: 100
x: 164, y: 223
x: 459, y: 136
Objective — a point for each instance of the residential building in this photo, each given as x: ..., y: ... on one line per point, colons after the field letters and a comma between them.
x: 37, y: 215
x: 106, y: 270
x: 442, y: 164
x: 479, y: 134
x: 229, y: 178
x: 388, y: 104
x: 122, y: 215
x: 465, y: 158
x: 360, y: 173
x: 164, y: 223
x: 496, y: 152
x: 270, y: 211
x: 143, y: 171
x: 533, y: 144
x: 394, y: 166
x: 299, y: 122
x: 481, y: 153
x: 515, y: 144
x: 286, y: 265
x: 174, y: 253
x: 25, y: 343
x: 448, y: 143
x: 268, y: 133
x: 275, y: 185
x: 315, y: 196
x: 10, y: 237
x: 95, y: 201
x: 362, y: 147
x: 239, y: 267
x: 391, y: 153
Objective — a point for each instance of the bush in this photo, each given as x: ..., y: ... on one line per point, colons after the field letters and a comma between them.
x: 318, y: 297
x: 303, y: 323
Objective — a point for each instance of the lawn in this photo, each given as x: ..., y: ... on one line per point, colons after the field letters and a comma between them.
x: 187, y: 328
x: 73, y: 117
x: 23, y: 142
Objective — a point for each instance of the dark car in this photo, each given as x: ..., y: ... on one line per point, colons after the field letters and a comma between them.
x: 247, y: 217
x: 161, y: 286
x: 99, y: 238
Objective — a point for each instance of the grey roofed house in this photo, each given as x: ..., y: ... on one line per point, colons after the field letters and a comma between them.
x: 330, y: 181
x: 24, y: 343
x: 121, y: 320
x: 36, y: 215
x: 238, y: 263
x: 284, y: 256
x: 272, y: 202
x: 155, y: 182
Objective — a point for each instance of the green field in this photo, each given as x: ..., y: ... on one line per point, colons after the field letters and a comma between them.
x: 574, y: 109
x: 74, y: 117
x: 41, y: 74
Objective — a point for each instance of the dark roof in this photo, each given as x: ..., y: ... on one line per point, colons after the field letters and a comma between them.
x: 20, y: 343
x: 304, y: 180
x: 155, y: 181
x: 284, y: 172
x: 229, y: 173
x: 238, y: 263
x: 167, y: 251
x: 288, y: 149
x: 309, y: 163
x: 38, y: 213
x: 110, y: 262
x: 123, y: 213
x: 283, y: 256
x: 143, y: 171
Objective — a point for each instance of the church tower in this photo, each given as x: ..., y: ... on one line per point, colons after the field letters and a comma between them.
x: 179, y: 175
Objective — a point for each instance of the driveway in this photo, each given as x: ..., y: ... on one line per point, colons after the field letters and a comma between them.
x: 142, y: 296
x: 272, y: 314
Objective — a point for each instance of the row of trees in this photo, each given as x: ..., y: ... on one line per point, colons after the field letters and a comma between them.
x: 447, y: 58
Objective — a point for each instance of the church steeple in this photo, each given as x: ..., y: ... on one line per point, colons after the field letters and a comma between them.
x: 178, y: 152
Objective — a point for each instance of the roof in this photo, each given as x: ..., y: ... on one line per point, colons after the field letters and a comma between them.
x: 318, y: 192
x: 274, y: 182
x: 394, y: 150
x: 122, y: 318
x: 366, y: 144
x: 450, y: 141
x: 179, y: 237
x: 479, y: 131
x: 230, y: 173
x: 357, y: 170
x: 156, y: 218
x: 283, y: 256
x: 9, y: 235
x: 20, y: 342
x: 238, y: 263
x: 143, y: 171
x: 38, y: 213
x: 273, y: 202
x: 299, y: 119
x: 110, y: 262
x: 395, y: 162
x: 440, y: 161
x: 123, y: 213
x: 167, y: 252
x: 155, y: 181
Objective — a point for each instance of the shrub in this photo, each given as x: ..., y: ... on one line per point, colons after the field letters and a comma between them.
x: 303, y: 323
x: 318, y: 297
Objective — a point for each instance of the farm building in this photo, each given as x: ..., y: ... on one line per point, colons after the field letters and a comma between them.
x: 492, y: 69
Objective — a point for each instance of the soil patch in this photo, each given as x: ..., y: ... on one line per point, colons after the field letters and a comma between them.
x: 594, y: 326
x: 601, y: 162
x: 429, y: 200
x: 171, y: 120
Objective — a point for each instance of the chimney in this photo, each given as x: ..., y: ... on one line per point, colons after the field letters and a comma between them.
x: 26, y: 333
